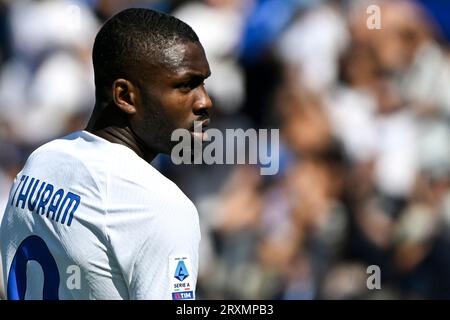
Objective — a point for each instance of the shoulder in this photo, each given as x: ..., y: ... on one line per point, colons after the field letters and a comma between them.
x: 76, y: 157
x: 148, y: 216
x: 125, y: 181
x: 151, y: 204
x: 137, y: 178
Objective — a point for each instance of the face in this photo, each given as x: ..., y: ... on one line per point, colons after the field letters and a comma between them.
x: 171, y: 96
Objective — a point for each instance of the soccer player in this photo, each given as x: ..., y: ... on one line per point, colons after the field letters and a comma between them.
x: 88, y: 217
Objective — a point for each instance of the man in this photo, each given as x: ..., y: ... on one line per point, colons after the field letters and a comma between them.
x: 88, y: 217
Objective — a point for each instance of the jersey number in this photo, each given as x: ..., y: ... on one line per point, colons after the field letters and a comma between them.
x: 33, y: 248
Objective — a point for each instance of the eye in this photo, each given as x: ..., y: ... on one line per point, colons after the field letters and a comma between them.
x: 191, y: 84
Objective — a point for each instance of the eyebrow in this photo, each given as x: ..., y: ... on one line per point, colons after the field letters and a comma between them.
x: 195, y: 74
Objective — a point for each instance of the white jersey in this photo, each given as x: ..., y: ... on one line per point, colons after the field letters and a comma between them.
x: 89, y: 219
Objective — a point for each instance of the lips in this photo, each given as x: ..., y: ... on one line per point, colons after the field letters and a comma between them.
x: 199, y: 128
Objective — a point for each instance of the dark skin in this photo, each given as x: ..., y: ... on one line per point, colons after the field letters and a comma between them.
x: 166, y: 94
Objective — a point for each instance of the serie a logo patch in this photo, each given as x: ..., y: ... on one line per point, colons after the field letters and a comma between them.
x: 181, y: 280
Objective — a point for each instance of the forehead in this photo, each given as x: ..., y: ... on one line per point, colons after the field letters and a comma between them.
x: 182, y: 58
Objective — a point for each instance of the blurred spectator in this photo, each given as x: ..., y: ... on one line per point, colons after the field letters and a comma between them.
x: 219, y: 23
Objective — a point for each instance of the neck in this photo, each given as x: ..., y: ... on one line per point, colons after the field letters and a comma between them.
x: 112, y: 127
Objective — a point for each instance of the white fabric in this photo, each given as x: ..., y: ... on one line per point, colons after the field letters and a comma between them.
x: 208, y: 22
x: 129, y: 221
x: 313, y: 44
x: 397, y: 160
x: 353, y: 119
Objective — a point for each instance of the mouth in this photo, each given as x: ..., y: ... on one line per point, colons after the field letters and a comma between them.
x: 199, y: 128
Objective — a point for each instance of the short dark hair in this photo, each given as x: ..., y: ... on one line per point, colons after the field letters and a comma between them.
x: 132, y: 36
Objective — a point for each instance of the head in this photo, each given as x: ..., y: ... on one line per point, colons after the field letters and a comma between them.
x: 405, y: 28
x: 149, y: 76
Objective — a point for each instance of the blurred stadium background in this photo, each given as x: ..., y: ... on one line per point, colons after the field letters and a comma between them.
x: 364, y: 117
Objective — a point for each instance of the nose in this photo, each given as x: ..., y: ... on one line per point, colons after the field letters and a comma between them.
x: 203, y: 102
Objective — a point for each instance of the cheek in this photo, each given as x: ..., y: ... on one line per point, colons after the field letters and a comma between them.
x: 178, y: 106
x: 168, y: 109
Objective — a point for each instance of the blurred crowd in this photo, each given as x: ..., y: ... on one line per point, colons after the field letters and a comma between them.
x: 362, y: 101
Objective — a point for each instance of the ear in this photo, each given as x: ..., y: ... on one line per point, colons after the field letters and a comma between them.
x: 125, y: 95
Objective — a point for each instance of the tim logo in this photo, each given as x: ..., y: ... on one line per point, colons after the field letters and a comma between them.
x: 181, y: 271
x: 182, y: 295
